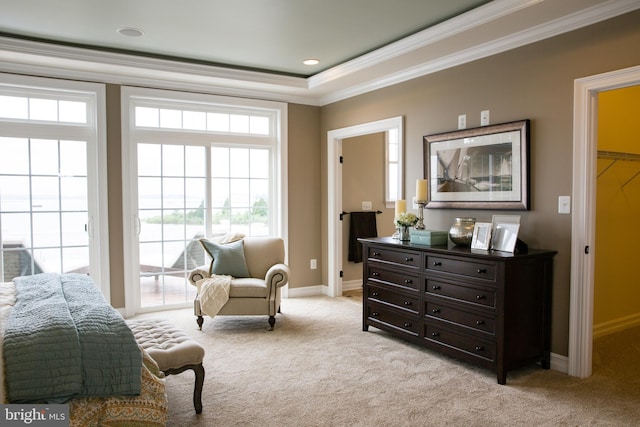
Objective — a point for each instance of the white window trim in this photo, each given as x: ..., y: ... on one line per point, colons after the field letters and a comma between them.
x: 96, y: 162
x: 131, y: 225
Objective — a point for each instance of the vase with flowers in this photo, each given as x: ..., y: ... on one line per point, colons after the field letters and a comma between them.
x: 403, y: 221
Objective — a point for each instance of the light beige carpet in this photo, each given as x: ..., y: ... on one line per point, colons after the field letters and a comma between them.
x: 318, y: 368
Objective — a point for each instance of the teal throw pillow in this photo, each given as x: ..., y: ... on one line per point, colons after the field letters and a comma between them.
x: 228, y: 258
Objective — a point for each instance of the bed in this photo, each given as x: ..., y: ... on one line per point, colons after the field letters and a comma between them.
x: 102, y: 373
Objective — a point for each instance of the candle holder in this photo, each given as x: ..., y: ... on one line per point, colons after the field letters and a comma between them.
x: 420, y: 224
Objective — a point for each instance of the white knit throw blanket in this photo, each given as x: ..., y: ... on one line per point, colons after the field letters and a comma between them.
x: 214, y: 293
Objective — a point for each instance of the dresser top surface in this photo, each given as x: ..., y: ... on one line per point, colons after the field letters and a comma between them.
x: 451, y: 249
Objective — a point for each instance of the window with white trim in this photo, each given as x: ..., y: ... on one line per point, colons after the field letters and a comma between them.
x: 196, y: 166
x: 52, y: 178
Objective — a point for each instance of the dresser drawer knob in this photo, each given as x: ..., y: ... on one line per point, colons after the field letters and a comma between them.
x: 479, y: 348
x: 437, y: 263
x: 435, y: 310
x: 481, y: 270
x: 479, y: 322
x: 480, y: 297
x: 407, y: 325
x: 435, y: 334
x: 436, y: 287
x: 408, y: 281
x: 408, y: 259
x: 374, y: 314
x: 407, y: 303
x: 375, y: 274
x: 374, y: 294
x: 375, y: 253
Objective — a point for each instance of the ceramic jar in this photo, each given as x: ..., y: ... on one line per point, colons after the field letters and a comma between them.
x: 461, y: 232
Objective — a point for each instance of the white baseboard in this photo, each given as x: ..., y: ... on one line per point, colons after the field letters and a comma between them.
x: 351, y: 285
x: 560, y: 363
x: 616, y: 325
x: 308, y: 291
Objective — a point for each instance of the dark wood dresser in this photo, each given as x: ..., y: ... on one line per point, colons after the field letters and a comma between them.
x: 489, y: 308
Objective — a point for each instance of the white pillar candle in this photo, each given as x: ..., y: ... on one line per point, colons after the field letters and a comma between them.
x: 421, y: 189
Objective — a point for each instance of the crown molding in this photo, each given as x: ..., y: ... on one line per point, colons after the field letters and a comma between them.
x: 367, y: 73
x: 540, y: 32
x: 456, y: 25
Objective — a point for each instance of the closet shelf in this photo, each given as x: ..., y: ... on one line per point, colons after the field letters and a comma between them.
x: 616, y: 156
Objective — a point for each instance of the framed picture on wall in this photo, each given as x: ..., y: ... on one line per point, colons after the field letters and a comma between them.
x: 479, y: 168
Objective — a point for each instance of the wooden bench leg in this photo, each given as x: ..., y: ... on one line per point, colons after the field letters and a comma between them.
x: 197, y: 389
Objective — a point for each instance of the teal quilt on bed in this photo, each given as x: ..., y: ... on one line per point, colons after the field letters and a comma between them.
x: 63, y: 340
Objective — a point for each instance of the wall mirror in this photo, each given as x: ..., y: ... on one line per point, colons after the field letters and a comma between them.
x: 479, y: 168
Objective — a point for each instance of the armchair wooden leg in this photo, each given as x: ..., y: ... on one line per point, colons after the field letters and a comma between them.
x: 200, y: 321
x: 272, y: 322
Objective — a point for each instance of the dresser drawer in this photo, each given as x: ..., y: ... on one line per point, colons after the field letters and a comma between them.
x: 468, y: 344
x: 477, y: 321
x: 395, y: 256
x: 378, y: 315
x: 385, y: 295
x: 462, y: 293
x: 476, y: 269
x: 396, y: 278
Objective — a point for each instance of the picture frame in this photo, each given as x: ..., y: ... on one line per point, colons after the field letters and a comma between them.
x: 505, y: 236
x: 481, y: 235
x: 479, y: 168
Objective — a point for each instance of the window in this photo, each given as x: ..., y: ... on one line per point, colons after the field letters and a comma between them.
x: 51, y: 179
x: 198, y: 166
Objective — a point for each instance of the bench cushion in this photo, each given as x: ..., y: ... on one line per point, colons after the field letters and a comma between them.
x: 170, y: 347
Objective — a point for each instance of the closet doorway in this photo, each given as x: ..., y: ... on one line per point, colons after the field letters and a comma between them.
x: 583, y: 230
x: 616, y: 283
x: 334, y: 187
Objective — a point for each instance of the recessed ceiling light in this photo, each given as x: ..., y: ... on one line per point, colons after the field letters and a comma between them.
x: 310, y: 62
x: 130, y: 32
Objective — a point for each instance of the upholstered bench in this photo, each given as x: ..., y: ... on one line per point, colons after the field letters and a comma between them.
x: 172, y: 349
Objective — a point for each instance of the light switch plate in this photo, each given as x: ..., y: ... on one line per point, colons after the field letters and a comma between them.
x: 564, y: 205
x: 366, y: 206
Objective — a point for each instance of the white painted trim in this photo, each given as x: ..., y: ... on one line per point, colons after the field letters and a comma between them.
x: 585, y: 147
x: 307, y: 291
x: 363, y: 74
x: 334, y: 189
x: 351, y: 285
x: 617, y: 325
x: 530, y: 35
x: 559, y: 363
x: 94, y: 133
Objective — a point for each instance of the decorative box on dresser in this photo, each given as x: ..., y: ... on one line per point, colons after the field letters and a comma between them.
x: 489, y: 308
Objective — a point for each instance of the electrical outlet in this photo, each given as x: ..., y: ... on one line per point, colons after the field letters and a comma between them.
x: 484, y: 118
x: 366, y: 206
x: 313, y: 264
x: 462, y: 121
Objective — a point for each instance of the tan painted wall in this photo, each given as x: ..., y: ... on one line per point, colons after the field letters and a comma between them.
x: 363, y: 180
x: 534, y: 82
x: 617, y: 284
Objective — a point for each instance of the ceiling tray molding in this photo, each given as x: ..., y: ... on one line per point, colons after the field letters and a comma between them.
x: 534, y: 34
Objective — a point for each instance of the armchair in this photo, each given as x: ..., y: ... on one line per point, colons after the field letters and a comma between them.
x: 258, y: 294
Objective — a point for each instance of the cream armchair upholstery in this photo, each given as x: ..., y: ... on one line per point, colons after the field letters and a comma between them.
x: 259, y: 294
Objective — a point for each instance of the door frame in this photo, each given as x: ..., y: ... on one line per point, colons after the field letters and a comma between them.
x: 583, y: 223
x: 334, y: 189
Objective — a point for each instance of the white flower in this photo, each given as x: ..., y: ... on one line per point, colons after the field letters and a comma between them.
x: 405, y: 219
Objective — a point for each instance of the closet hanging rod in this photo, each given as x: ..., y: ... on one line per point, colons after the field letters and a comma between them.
x: 618, y: 155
